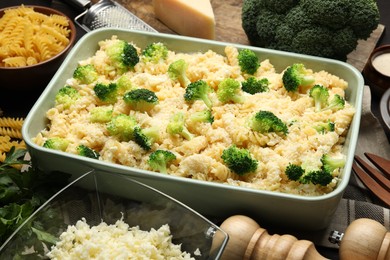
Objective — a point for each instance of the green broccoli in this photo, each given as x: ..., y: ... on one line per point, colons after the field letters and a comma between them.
x: 327, y: 28
x: 124, y: 84
x: 123, y: 55
x: 85, y: 74
x: 176, y: 125
x: 248, y: 61
x: 336, y: 103
x: 107, y: 93
x: 84, y: 150
x: 266, y: 121
x: 320, y: 95
x: 56, y: 143
x: 145, y: 137
x: 177, y: 71
x: 198, y: 90
x: 239, y: 160
x: 159, y: 160
x: 101, y: 114
x: 202, y: 116
x: 253, y: 85
x: 323, y: 127
x: 331, y: 163
x: 295, y: 76
x: 67, y: 96
x: 122, y: 126
x: 155, y: 52
x: 295, y: 172
x: 141, y: 99
x: 229, y: 90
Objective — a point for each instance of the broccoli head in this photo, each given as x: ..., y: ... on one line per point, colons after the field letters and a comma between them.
x: 123, y: 55
x: 85, y: 74
x: 297, y: 173
x: 294, y: 172
x: 122, y: 126
x: 204, y: 116
x: 239, y: 160
x: 56, y: 143
x: 331, y: 163
x: 176, y: 125
x: 248, y: 61
x: 106, y: 93
x: 253, y: 85
x: 295, y: 76
x: 155, y: 52
x: 229, y: 90
x: 337, y: 102
x: 323, y: 127
x: 266, y: 122
x: 160, y: 159
x: 124, y: 84
x: 101, y: 114
x: 141, y: 99
x: 326, y: 28
x: 198, y: 90
x: 177, y: 71
x: 85, y: 151
x: 67, y: 96
x: 145, y: 137
x: 320, y: 95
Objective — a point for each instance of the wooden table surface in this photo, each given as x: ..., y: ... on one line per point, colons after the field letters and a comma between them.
x: 228, y: 26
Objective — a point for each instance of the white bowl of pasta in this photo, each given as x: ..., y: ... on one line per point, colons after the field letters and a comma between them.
x: 34, y: 40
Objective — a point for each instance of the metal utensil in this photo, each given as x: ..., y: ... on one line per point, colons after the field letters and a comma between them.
x: 107, y: 13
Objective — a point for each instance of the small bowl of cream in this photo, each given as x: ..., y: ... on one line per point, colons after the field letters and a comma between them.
x: 377, y: 70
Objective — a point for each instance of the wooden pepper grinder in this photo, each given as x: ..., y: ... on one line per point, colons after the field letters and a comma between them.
x: 363, y: 239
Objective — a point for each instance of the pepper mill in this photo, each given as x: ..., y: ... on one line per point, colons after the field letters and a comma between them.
x: 363, y: 239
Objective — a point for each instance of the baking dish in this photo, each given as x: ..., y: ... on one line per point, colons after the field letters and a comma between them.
x: 211, y: 199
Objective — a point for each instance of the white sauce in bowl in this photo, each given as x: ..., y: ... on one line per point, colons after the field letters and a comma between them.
x: 382, y: 63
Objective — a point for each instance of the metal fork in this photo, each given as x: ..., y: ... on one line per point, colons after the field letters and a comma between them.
x: 377, y: 180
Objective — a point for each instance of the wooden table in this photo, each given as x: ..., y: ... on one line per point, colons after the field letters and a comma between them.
x: 228, y: 26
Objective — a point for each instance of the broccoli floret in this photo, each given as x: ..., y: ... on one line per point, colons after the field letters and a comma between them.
x: 364, y: 17
x: 265, y: 28
x: 155, y: 52
x: 84, y: 150
x: 145, y: 137
x: 248, y: 61
x: 177, y: 71
x: 198, y: 90
x: 202, y: 116
x: 280, y: 7
x: 159, y: 160
x: 344, y: 41
x: 249, y: 13
x: 336, y: 103
x: 124, y: 84
x: 323, y: 127
x: 141, y: 99
x: 122, y: 126
x: 123, y: 55
x: 330, y: 163
x: 85, y: 74
x: 239, y: 160
x: 229, y: 90
x: 176, y: 125
x: 266, y: 121
x: 295, y: 76
x: 253, y: 85
x: 294, y: 172
x: 101, y: 114
x: 320, y: 95
x: 67, y: 96
x: 56, y: 143
x: 106, y: 93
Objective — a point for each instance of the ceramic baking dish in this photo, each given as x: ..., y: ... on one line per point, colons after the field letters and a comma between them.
x: 210, y: 199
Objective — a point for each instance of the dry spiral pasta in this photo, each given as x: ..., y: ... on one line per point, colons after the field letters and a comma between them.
x: 28, y: 37
x: 10, y: 135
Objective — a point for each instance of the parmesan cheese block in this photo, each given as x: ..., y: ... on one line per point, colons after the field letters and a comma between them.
x: 187, y: 17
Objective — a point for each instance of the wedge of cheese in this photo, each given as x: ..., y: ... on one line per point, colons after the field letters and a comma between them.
x: 193, y: 18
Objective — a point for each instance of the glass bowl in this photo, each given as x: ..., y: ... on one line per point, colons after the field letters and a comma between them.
x: 108, y: 197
